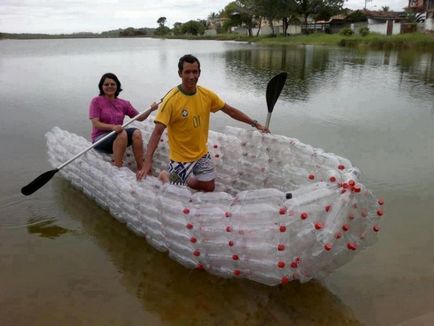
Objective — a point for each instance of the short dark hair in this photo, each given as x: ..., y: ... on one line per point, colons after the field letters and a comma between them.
x: 111, y: 76
x: 187, y: 58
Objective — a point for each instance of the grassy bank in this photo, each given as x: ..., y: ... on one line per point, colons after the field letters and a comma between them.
x: 418, y: 41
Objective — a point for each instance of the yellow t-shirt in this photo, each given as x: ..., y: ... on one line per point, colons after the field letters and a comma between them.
x: 187, y: 120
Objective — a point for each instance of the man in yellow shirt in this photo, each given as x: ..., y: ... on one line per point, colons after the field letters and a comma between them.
x: 185, y: 112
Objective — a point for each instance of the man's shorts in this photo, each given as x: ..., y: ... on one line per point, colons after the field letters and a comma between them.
x: 202, y: 169
x: 107, y: 145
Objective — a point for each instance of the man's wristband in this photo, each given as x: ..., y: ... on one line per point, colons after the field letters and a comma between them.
x: 254, y: 123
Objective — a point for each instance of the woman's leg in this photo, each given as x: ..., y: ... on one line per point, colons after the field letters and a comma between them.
x: 138, y: 148
x: 119, y: 147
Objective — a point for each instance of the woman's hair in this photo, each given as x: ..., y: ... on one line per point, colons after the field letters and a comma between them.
x: 111, y: 76
x: 187, y: 58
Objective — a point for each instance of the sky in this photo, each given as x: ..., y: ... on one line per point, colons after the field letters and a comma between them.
x: 73, y: 16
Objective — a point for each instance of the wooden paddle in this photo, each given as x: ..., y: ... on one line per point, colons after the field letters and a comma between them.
x: 274, y: 88
x: 46, y: 176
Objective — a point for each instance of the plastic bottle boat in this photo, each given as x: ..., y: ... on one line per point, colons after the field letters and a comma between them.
x: 282, y: 210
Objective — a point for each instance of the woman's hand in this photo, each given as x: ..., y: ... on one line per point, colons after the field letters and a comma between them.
x: 117, y: 128
x: 154, y: 106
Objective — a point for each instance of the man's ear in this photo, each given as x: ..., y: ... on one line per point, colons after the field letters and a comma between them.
x: 180, y: 73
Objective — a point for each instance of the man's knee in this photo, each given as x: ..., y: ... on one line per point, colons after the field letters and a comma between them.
x: 209, y: 187
x: 206, y: 186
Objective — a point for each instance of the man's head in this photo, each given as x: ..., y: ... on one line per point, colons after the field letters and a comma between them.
x: 189, y: 71
x: 189, y: 59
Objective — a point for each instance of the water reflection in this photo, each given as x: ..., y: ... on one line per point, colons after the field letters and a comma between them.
x: 419, y: 67
x: 46, y: 228
x: 311, y: 67
x: 181, y: 296
x: 375, y: 108
x: 306, y: 65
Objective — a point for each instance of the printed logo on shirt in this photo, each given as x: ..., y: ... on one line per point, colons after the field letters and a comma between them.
x: 184, y: 113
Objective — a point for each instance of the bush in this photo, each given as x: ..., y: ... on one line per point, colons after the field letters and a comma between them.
x: 364, y: 31
x: 346, y: 31
x: 349, y: 43
x: 193, y: 27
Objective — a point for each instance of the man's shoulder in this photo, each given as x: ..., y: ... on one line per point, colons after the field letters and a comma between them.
x: 207, y: 92
x: 172, y: 94
x: 204, y: 89
x: 173, y: 91
x: 168, y: 99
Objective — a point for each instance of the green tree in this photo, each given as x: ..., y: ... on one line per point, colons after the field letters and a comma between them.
x: 177, y: 28
x: 271, y: 10
x: 385, y: 8
x: 128, y: 32
x: 356, y: 16
x: 284, y: 10
x: 161, y: 21
x: 241, y: 13
x: 193, y: 27
x: 162, y: 29
x: 308, y: 8
x: 231, y: 13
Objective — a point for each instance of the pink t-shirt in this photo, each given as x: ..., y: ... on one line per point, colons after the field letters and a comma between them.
x: 109, y: 111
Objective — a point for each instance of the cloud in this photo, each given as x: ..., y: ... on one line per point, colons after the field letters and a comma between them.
x: 68, y: 16
x: 395, y: 5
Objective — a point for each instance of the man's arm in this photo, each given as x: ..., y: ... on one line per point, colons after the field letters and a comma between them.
x: 152, y: 146
x: 241, y: 116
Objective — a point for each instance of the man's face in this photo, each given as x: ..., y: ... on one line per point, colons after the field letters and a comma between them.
x: 190, y: 75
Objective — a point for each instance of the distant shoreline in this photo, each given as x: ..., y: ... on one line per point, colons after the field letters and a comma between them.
x: 59, y: 37
x: 417, y: 41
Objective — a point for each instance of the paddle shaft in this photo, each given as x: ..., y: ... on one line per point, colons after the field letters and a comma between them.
x: 98, y: 142
x: 46, y: 176
x: 267, y: 123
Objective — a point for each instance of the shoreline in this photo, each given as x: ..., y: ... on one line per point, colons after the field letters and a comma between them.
x: 417, y: 41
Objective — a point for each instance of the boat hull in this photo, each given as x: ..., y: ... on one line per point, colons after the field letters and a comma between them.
x: 282, y: 210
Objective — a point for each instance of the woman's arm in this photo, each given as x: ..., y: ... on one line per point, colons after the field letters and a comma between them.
x: 96, y: 123
x: 145, y: 115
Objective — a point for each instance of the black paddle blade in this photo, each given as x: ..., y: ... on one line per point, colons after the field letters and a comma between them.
x: 274, y: 88
x: 38, y: 182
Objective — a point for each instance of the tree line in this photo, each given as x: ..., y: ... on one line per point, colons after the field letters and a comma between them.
x: 250, y: 13
x: 247, y: 13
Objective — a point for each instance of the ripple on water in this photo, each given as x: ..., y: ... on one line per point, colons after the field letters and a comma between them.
x: 32, y: 213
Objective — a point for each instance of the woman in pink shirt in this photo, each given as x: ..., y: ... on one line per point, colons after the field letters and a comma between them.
x: 107, y: 113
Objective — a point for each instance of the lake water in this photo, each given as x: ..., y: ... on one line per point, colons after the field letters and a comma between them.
x: 63, y: 260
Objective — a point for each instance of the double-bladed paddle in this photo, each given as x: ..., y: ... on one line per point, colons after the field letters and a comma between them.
x: 274, y: 88
x: 46, y: 176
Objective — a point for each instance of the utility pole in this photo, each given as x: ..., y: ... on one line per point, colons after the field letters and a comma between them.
x: 366, y: 2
